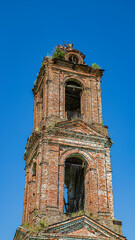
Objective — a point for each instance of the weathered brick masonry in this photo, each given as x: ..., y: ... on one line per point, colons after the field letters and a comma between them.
x: 69, y: 148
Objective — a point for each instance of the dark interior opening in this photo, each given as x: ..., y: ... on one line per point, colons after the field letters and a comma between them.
x: 74, y: 194
x: 74, y: 59
x: 34, y: 169
x: 73, y: 100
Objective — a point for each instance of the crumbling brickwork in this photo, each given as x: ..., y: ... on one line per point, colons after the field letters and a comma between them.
x: 68, y: 137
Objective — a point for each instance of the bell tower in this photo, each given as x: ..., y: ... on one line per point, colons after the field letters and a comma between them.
x: 68, y: 184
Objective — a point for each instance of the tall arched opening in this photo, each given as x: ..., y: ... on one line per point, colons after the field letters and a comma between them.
x: 73, y: 92
x: 74, y: 184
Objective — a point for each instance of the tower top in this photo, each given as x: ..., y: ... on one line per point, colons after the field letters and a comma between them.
x: 65, y: 57
x: 72, y: 55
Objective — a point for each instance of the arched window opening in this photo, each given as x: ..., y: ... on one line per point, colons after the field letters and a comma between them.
x: 73, y: 100
x: 34, y: 169
x: 74, y: 191
x: 74, y: 59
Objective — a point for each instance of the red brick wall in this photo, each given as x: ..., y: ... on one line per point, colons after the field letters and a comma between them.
x: 46, y: 189
x: 52, y: 106
x: 44, y: 193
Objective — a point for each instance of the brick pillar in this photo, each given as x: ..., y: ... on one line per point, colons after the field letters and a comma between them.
x: 38, y: 181
x: 99, y: 106
x: 49, y: 98
x: 88, y: 112
x: 53, y: 176
x: 87, y: 192
x: 25, y: 199
x: 44, y: 163
x: 28, y: 196
x: 44, y: 185
x: 83, y: 105
x: 102, y: 190
x: 94, y: 100
x: 61, y: 187
x: 62, y: 102
x: 45, y: 98
x: 93, y: 192
x: 35, y: 113
x: 109, y: 182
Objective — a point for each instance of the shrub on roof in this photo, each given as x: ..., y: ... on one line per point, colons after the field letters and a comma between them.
x: 95, y: 66
x: 58, y: 53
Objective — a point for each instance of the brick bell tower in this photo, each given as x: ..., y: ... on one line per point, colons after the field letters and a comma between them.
x: 68, y: 186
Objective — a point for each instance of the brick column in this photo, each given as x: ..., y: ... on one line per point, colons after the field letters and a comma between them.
x: 94, y: 100
x: 53, y: 176
x: 99, y: 101
x: 28, y: 197
x: 83, y: 104
x: 109, y: 183
x: 93, y: 191
x: 88, y: 112
x: 43, y: 183
x: 62, y: 102
x: 25, y: 199
x: 102, y: 190
x: 61, y: 187
x: 87, y: 192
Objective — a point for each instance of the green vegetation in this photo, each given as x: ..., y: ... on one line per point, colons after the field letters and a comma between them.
x: 29, y: 227
x: 77, y: 214
x: 42, y: 224
x: 58, y: 53
x: 95, y: 66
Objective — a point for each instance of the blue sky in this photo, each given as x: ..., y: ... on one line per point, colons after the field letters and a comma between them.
x: 104, y: 31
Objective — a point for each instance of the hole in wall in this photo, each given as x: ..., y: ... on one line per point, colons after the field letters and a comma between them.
x: 74, y: 189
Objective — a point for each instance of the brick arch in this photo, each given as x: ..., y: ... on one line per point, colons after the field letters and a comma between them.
x: 71, y: 152
x: 68, y: 54
x: 69, y: 77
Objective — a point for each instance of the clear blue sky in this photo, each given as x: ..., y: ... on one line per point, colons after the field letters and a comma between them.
x: 105, y: 32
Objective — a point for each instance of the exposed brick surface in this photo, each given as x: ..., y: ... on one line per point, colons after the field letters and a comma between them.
x: 55, y: 138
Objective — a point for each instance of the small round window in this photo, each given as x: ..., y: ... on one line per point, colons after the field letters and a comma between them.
x: 74, y: 59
